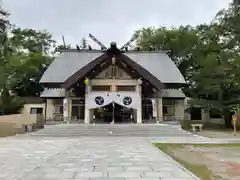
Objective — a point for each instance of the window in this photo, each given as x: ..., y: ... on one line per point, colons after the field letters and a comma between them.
x: 58, y: 109
x: 168, y: 107
x: 147, y: 109
x: 100, y: 88
x: 78, y: 101
x: 126, y: 88
x: 215, y: 113
x: 36, y: 111
x: 58, y: 101
x: 196, y: 113
x: 78, y: 112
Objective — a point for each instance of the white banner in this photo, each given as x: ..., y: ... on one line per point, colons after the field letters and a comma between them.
x: 65, y: 107
x: 101, y: 99
x: 154, y: 107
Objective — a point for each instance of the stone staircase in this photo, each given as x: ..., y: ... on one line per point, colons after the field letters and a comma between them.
x: 101, y: 130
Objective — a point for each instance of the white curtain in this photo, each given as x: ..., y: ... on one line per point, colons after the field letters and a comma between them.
x: 154, y: 106
x: 133, y: 99
x: 65, y: 107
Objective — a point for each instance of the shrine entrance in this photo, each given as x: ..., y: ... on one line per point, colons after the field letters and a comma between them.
x: 113, y: 113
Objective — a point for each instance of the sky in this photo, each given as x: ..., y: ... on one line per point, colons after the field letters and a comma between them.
x: 108, y: 20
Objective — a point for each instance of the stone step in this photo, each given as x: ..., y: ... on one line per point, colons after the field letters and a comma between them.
x: 132, y: 130
x: 113, y: 135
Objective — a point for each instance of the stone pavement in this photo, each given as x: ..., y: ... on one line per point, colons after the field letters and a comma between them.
x: 82, y: 158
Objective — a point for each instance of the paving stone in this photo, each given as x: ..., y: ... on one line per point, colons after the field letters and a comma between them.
x: 52, y: 158
x: 143, y: 178
x: 137, y: 168
x: 124, y: 174
x: 109, y: 169
x: 173, y: 178
x: 91, y: 175
x: 164, y: 174
x: 66, y: 175
x: 107, y: 178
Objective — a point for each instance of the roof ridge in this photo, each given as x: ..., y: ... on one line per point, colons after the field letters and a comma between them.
x: 145, y: 51
x: 81, y: 50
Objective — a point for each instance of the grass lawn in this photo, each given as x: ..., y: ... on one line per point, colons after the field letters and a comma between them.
x: 202, y: 171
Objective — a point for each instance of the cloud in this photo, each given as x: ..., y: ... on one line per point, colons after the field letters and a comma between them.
x: 108, y: 20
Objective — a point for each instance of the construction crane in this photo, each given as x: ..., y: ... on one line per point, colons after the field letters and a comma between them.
x: 98, y: 42
x: 125, y: 46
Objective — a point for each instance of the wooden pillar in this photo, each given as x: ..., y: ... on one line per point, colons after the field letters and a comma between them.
x: 139, y: 109
x: 49, y: 109
x: 65, y: 109
x: 87, y: 111
x: 159, y: 109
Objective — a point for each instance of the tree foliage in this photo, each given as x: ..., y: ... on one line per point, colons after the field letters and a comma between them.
x: 83, y: 43
x: 24, y: 56
x: 207, y: 55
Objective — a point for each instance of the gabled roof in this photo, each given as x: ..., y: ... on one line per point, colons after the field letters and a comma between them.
x: 156, y: 64
x: 55, y: 92
x: 173, y: 93
x: 66, y: 64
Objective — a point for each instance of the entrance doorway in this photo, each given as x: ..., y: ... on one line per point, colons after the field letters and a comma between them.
x: 113, y: 111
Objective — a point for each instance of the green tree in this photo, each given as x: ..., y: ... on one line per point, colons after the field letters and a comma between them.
x: 207, y: 55
x: 83, y: 43
x: 31, y: 40
x: 25, y: 55
x: 181, y: 43
x: 62, y: 47
x: 9, y: 103
x: 32, y: 52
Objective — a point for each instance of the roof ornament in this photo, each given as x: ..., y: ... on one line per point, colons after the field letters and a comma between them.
x: 98, y: 42
x: 64, y: 43
x: 139, y: 81
x: 113, y: 45
x: 113, y: 60
x: 78, y: 48
x: 125, y: 46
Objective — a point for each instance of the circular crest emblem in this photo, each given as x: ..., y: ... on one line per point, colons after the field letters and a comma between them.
x: 99, y: 100
x: 127, y: 101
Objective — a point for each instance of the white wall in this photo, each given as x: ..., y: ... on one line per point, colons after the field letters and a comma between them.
x: 27, y: 107
x: 50, y: 109
x: 179, y: 108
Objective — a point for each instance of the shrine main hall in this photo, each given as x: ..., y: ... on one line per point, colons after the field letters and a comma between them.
x: 113, y: 86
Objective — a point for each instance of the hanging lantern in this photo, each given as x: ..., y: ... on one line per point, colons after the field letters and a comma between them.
x: 86, y: 81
